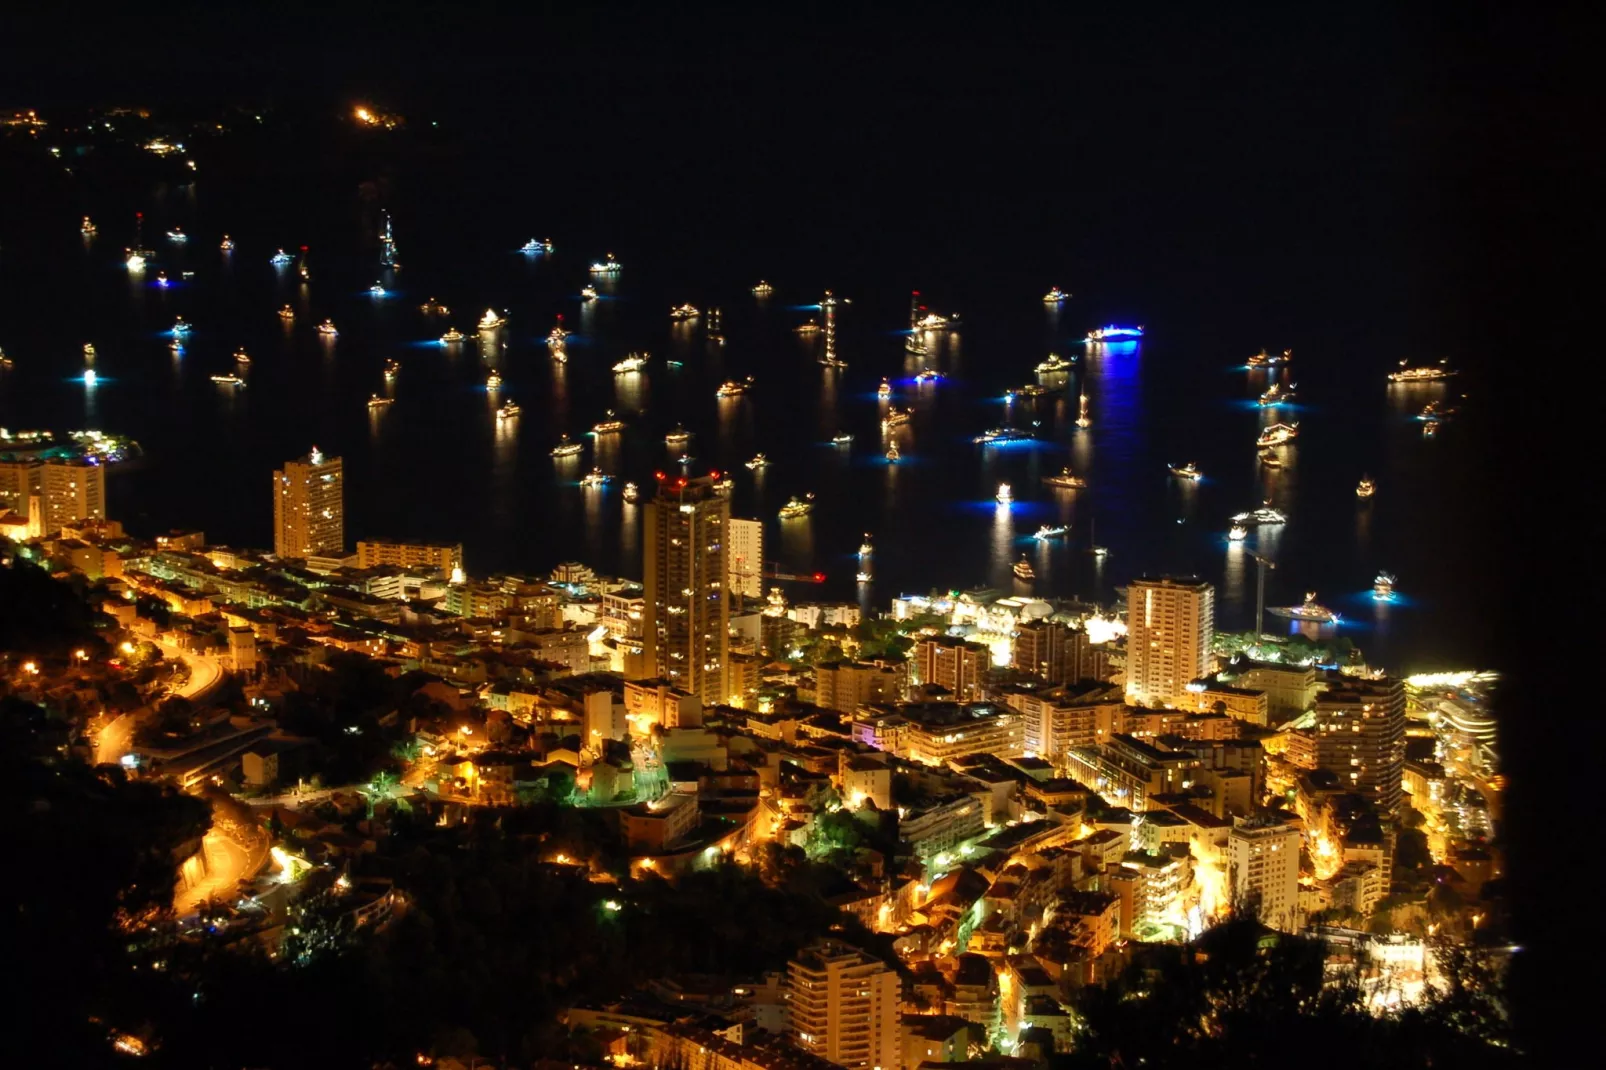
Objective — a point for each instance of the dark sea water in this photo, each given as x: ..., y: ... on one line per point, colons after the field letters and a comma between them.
x: 1212, y: 278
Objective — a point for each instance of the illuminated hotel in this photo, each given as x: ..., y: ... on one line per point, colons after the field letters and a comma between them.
x: 309, y: 511
x: 1170, y: 624
x: 685, y: 638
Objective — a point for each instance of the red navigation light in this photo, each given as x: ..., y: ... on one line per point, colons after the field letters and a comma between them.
x: 917, y: 293
x: 682, y: 483
x: 659, y: 476
x: 303, y: 248
x: 713, y: 475
x: 819, y: 577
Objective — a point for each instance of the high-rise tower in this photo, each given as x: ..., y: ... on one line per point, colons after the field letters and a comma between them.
x: 686, y: 636
x: 309, y: 510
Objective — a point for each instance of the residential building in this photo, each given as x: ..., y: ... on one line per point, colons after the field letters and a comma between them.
x: 845, y: 686
x: 685, y: 638
x: 956, y: 665
x: 1170, y: 624
x: 1263, y: 871
x: 1290, y: 689
x: 657, y: 702
x: 309, y: 511
x: 1360, y: 737
x: 447, y: 559
x: 747, y: 558
x: 842, y: 1005
x: 936, y: 733
x: 1054, y: 720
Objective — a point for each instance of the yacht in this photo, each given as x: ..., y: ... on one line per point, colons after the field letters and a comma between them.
x: 241, y: 356
x: 1001, y: 434
x: 378, y: 290
x: 894, y: 417
x: 1365, y: 488
x: 1054, y: 296
x: 1046, y: 532
x: 610, y: 425
x: 161, y: 278
x: 177, y: 347
x: 1029, y: 390
x: 1277, y: 394
x: 678, y: 437
x: 861, y: 576
x: 88, y: 227
x: 1264, y: 359
x: 1065, y: 480
x: 930, y: 375
x: 1237, y: 533
x: 866, y: 548
x: 287, y: 314
x: 633, y: 363
x: 1113, y: 333
x: 763, y: 289
x: 557, y: 337
x: 377, y: 402
x: 914, y: 344
x: 594, y: 478
x: 631, y: 494
x: 280, y: 258
x: 493, y: 381
x: 1383, y: 587
x: 1005, y: 496
x: 1023, y: 569
x: 89, y: 351
x: 884, y: 390
x: 135, y: 262
x: 610, y: 266
x: 684, y: 312
x: 810, y: 327
x: 433, y: 307
x: 177, y: 236
x: 1432, y: 411
x: 1083, y: 420
x: 1278, y: 435
x: 90, y: 378
x: 1424, y: 374
x: 1309, y: 611
x: 1430, y: 429
x: 1263, y: 515
x: 491, y: 321
x: 730, y: 388
x: 532, y: 246
x: 452, y: 336
x: 566, y: 448
x: 797, y: 507
x: 1186, y: 471
x: 892, y: 453
x: 588, y: 293
x: 1054, y: 363
x: 508, y: 410
x: 225, y: 380
x: 391, y: 368
x: 842, y: 438
x: 933, y: 322
x: 327, y: 328
x: 758, y: 461
x: 227, y: 245
x: 181, y: 327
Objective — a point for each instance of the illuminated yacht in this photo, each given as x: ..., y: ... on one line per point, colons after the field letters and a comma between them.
x: 810, y: 327
x: 566, y: 448
x: 866, y: 548
x: 287, y: 313
x: 392, y: 366
x: 90, y: 378
x: 1046, y: 532
x: 377, y: 402
x: 1001, y: 434
x: 508, y: 411
x: 533, y: 246
x: 1267, y: 360
x: 930, y: 375
x: 610, y: 425
x: 862, y: 576
x: 631, y: 494
x: 1383, y: 587
x: 916, y: 345
x: 594, y: 479
x: 797, y: 508
x: 1426, y: 374
x: 1263, y: 515
x: 1023, y: 569
x: 677, y: 437
x: 609, y: 266
x: 177, y: 236
x: 177, y: 347
x: 1112, y: 333
x: 224, y: 380
x: 1054, y: 363
x: 181, y: 327
x: 1365, y: 488
x: 884, y: 390
x: 892, y: 453
x: 88, y: 227
x: 557, y: 337
x: 1237, y: 533
x: 1065, y: 480
x: 730, y: 388
x: 452, y: 336
x: 1277, y: 435
x: 1054, y: 296
x: 684, y: 312
x: 1309, y: 611
x: 588, y: 293
x: 433, y: 307
x: 894, y: 417
x: 933, y: 322
x: 241, y: 356
x: 1005, y: 496
x: 758, y: 461
x: 763, y: 289
x: 227, y: 244
x: 327, y: 329
x: 89, y: 351
x: 491, y: 321
x: 1430, y: 429
x: 377, y: 290
x: 135, y: 261
x: 633, y: 363
x: 1432, y: 412
x: 1186, y: 471
x: 1277, y: 394
x: 1029, y: 390
x: 842, y: 438
x: 280, y: 258
x: 161, y: 278
x: 493, y: 381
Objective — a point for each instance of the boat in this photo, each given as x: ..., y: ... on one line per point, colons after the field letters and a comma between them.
x: 588, y: 293
x: 1046, y: 532
x: 763, y: 289
x: 1083, y: 420
x: 377, y: 402
x: 1023, y: 569
x: 89, y: 351
x: 1093, y: 546
x: 1054, y: 363
x: 1365, y: 488
x: 930, y: 375
x: 1383, y: 587
x: 532, y: 246
x: 1186, y: 471
x: 227, y: 244
x: 884, y: 390
x: 1277, y: 394
x: 730, y: 388
x: 491, y: 321
x: 177, y: 236
x: 1277, y: 435
x: 508, y: 410
x: 452, y: 336
x: 1054, y: 296
x: 609, y: 266
x: 631, y: 493
x: 594, y: 479
x: 392, y: 366
x: 894, y: 417
x: 1265, y: 514
x: 678, y: 437
x: 933, y: 322
x: 808, y: 328
x: 225, y: 380
x: 1065, y: 480
x: 177, y: 347
x: 557, y: 337
x: 287, y: 313
x: 135, y: 262
x: 1309, y: 611
x: 758, y: 461
x: 1425, y: 374
x: 1112, y: 333
x: 181, y: 327
x: 914, y: 344
x: 892, y: 453
x: 684, y: 312
x: 280, y: 258
x: 161, y: 278
x: 433, y: 307
x: 1004, y: 496
x: 1430, y: 429
x: 1432, y: 411
x: 633, y: 363
x: 327, y: 328
x: 241, y: 356
x: 1270, y: 459
x: 88, y: 227
x: 610, y: 425
x: 566, y: 448
x: 861, y: 576
x: 493, y: 381
x: 1237, y: 533
x: 866, y: 548
x: 1001, y: 434
x: 378, y: 290
x: 1264, y: 359
x: 90, y: 378
x: 797, y: 507
x: 842, y: 438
